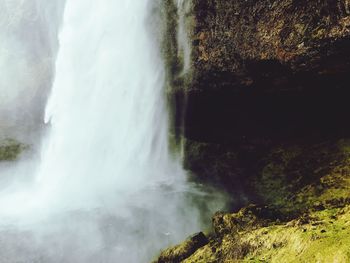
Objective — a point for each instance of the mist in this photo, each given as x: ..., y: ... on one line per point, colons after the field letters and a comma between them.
x: 28, y: 46
x: 83, y: 85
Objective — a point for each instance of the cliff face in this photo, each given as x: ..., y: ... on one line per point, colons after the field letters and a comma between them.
x: 261, y: 73
x: 262, y: 110
x: 265, y: 45
x: 263, y: 66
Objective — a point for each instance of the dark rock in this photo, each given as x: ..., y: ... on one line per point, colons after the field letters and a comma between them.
x: 263, y: 74
x: 199, y: 240
x: 184, y: 250
x: 267, y: 66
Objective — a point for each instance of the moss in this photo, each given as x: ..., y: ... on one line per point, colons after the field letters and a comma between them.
x: 10, y: 150
x: 323, y: 237
x: 184, y: 250
x: 297, y: 178
x: 304, y: 215
x: 219, y: 161
x: 326, y: 238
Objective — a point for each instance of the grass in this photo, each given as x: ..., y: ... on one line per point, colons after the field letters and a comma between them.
x: 309, y: 186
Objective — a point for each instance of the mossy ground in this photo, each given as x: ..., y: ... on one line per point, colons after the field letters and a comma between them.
x: 324, y: 236
x: 303, y: 214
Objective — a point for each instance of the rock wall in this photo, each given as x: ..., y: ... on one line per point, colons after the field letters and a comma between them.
x: 263, y: 111
x: 262, y: 73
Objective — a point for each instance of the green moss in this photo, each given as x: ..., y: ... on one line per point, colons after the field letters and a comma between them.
x: 184, y: 250
x: 10, y: 150
x: 323, y: 236
x: 295, y: 179
x: 304, y: 215
x: 212, y: 162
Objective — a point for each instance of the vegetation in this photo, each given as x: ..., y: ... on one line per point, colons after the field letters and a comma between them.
x: 10, y: 150
x: 303, y: 212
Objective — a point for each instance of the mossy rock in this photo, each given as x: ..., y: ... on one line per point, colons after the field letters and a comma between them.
x: 321, y: 236
x: 304, y: 213
x: 10, y: 150
x: 182, y: 251
x: 296, y: 179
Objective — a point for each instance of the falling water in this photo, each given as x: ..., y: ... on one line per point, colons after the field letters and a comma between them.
x: 106, y: 189
x: 109, y: 126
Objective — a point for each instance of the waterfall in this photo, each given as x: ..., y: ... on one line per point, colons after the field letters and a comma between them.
x: 108, y: 145
x: 106, y: 188
x: 184, y: 47
x: 107, y: 111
